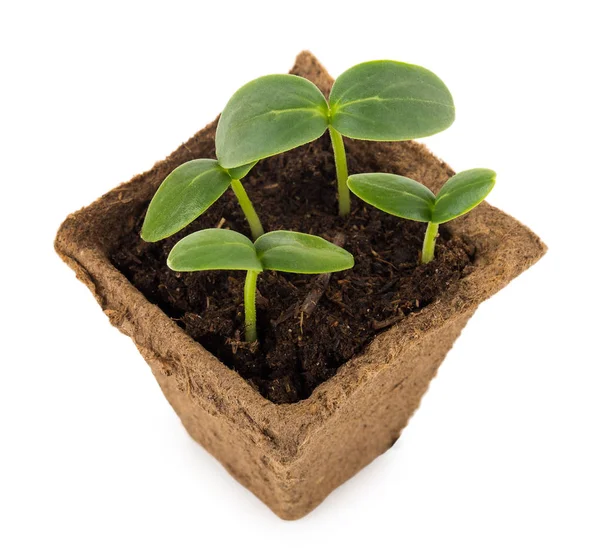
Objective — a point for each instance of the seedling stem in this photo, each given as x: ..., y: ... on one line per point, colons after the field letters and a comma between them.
x: 250, y: 305
x: 253, y: 220
x: 341, y: 170
x: 429, y: 242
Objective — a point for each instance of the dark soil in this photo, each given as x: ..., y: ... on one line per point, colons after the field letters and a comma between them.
x: 297, y: 191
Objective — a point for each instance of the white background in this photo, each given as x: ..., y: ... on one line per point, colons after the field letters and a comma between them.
x: 504, y: 451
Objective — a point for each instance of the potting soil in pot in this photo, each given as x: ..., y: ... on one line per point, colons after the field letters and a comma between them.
x: 297, y: 191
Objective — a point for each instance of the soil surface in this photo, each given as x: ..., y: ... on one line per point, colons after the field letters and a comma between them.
x: 297, y: 352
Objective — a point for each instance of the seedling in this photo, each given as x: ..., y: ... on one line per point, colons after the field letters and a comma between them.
x: 188, y: 191
x: 376, y: 100
x: 409, y: 199
x: 282, y: 251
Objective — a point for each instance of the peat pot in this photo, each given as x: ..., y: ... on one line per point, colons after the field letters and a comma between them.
x: 293, y: 455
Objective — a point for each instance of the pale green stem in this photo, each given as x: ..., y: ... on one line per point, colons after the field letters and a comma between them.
x: 253, y: 220
x: 341, y: 171
x: 429, y: 243
x: 250, y: 305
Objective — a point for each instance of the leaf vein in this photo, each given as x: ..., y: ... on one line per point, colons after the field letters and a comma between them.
x: 277, y: 112
x: 380, y: 99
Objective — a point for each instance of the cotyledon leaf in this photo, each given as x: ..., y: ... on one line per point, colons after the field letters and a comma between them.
x: 183, y: 196
x: 267, y: 116
x: 300, y: 253
x: 214, y: 249
x: 394, y: 194
x: 462, y: 192
x: 390, y: 100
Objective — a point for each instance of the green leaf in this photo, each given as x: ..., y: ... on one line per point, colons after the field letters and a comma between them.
x: 214, y: 249
x: 239, y: 172
x: 300, y: 253
x: 463, y: 192
x: 394, y: 194
x: 267, y: 116
x: 389, y: 100
x: 183, y: 196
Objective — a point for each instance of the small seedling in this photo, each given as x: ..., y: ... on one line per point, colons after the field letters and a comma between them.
x: 282, y: 251
x: 409, y: 199
x: 188, y: 191
x: 376, y: 100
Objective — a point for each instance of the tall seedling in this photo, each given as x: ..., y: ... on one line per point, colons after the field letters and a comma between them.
x: 376, y: 100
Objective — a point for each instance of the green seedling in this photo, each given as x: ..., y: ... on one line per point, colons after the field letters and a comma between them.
x: 189, y: 190
x: 376, y: 100
x: 282, y: 251
x: 409, y: 199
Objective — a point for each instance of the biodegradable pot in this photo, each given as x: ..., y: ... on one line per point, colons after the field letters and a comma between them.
x: 293, y: 455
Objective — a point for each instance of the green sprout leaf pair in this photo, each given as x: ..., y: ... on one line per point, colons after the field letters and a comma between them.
x: 188, y: 191
x: 410, y: 199
x: 282, y: 251
x: 376, y: 100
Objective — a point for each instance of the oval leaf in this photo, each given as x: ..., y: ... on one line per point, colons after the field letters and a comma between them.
x: 463, y: 192
x: 214, y: 249
x: 267, y: 116
x: 300, y: 253
x: 183, y: 196
x: 394, y: 194
x: 389, y: 100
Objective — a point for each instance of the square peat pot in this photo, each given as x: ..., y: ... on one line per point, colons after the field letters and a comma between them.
x: 293, y: 455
